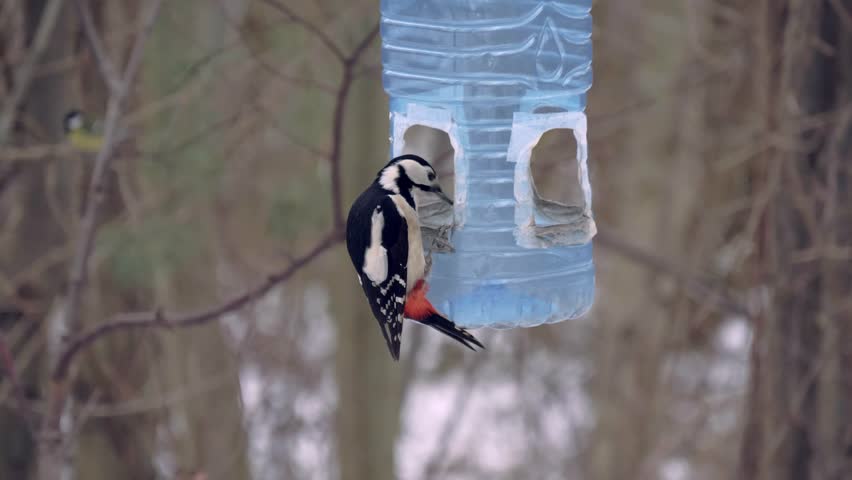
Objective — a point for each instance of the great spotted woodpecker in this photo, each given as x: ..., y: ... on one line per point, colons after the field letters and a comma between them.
x: 383, y: 239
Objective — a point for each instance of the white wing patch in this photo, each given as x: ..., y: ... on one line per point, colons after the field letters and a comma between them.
x: 376, y: 257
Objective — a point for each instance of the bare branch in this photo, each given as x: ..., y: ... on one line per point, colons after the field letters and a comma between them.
x: 159, y: 319
x: 349, y: 64
x: 33, y: 153
x: 336, y: 148
x: 355, y: 56
x: 105, y: 65
x: 139, y: 47
x: 26, y: 71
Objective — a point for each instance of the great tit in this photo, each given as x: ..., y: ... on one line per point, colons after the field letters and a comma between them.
x: 81, y: 132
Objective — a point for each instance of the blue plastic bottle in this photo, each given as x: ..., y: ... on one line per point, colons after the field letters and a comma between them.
x: 495, y: 75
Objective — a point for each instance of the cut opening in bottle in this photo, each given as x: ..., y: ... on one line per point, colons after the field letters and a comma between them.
x: 552, y: 189
x: 436, y: 215
x: 555, y: 173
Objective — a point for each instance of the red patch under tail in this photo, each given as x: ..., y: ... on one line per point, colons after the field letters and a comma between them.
x: 417, y: 307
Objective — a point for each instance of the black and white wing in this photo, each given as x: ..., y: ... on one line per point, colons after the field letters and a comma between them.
x: 383, y: 253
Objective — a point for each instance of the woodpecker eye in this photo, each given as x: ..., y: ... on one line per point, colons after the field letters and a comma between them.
x: 431, y: 176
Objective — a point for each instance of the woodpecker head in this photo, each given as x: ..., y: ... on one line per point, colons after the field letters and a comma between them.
x: 408, y: 173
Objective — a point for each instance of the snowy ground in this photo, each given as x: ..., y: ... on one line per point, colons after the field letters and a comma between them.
x: 490, y: 432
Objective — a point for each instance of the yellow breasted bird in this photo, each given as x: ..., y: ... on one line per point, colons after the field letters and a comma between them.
x: 81, y: 132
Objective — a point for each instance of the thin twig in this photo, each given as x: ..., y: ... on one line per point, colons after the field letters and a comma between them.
x: 337, y: 145
x: 697, y: 287
x: 105, y: 65
x: 257, y: 56
x: 310, y: 27
x: 25, y: 72
x: 355, y: 56
x: 139, y: 47
x: 349, y: 63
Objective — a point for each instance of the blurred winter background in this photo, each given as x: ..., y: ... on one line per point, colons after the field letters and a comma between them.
x: 718, y: 348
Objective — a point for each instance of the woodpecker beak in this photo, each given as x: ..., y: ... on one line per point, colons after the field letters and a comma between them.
x: 443, y: 196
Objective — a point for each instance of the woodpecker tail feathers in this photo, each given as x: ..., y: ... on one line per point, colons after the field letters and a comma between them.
x: 447, y: 327
x: 418, y: 308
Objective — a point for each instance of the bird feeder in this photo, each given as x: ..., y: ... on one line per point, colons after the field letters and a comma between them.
x: 495, y: 75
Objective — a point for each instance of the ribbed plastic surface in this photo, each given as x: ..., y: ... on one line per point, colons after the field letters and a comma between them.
x: 482, y: 62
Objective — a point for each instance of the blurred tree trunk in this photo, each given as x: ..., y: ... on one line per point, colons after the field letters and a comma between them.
x: 611, y: 453
x: 640, y: 203
x: 368, y: 380
x: 800, y: 398
x: 205, y: 429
